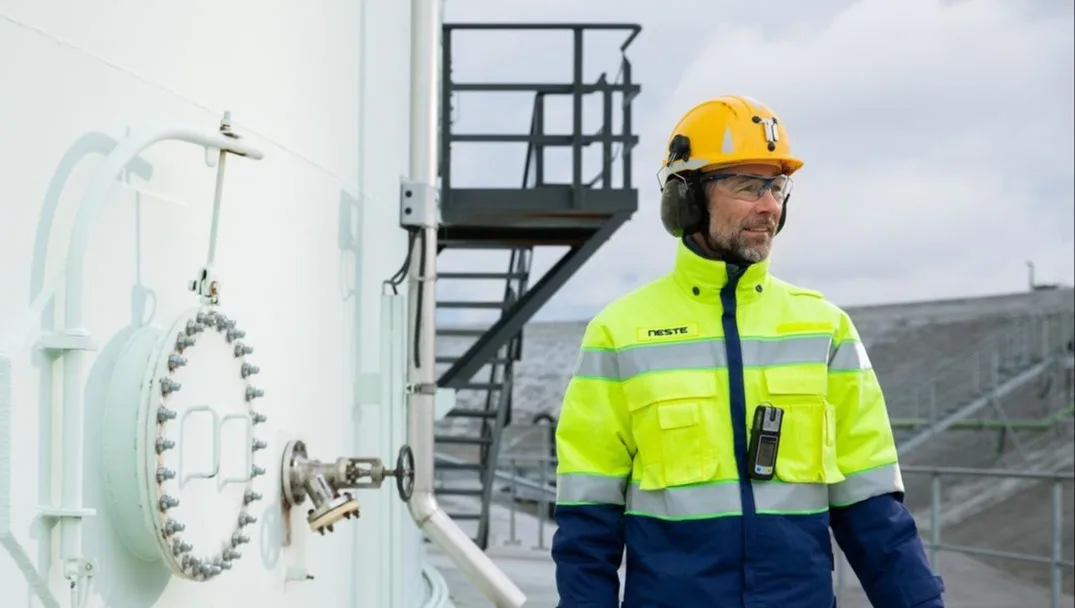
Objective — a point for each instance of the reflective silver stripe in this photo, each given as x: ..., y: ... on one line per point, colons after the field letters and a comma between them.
x: 722, y: 499
x: 785, y: 351
x: 849, y: 356
x: 700, y: 354
x: 578, y: 487
x: 685, y: 502
x: 790, y: 498
x: 597, y: 364
x: 866, y: 484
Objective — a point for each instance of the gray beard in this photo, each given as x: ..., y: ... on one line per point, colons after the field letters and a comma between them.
x: 733, y: 253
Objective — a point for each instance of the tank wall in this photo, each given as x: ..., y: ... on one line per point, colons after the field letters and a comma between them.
x: 307, y: 236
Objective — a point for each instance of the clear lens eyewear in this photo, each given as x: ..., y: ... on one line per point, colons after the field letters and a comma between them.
x: 751, y: 187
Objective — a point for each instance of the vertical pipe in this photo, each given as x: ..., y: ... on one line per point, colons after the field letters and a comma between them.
x: 446, y: 117
x: 421, y: 374
x: 71, y: 483
x: 387, y: 533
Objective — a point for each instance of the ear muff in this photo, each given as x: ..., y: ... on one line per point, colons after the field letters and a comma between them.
x: 682, y: 211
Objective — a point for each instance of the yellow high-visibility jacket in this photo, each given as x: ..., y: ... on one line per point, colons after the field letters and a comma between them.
x: 652, y: 444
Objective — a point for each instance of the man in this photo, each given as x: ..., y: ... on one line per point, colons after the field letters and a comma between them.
x: 660, y: 451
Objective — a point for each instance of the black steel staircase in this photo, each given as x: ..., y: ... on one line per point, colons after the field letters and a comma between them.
x: 580, y: 215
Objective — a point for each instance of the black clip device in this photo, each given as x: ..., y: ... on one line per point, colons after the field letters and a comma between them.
x: 764, y: 441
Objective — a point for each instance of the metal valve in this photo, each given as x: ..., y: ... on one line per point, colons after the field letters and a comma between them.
x: 404, y: 473
x: 325, y: 482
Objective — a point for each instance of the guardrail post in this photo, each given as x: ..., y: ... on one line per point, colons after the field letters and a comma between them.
x: 978, y: 372
x: 996, y: 372
x: 512, y: 536
x: 933, y: 402
x: 1045, y: 326
x: 1056, y: 577
x: 934, y: 520
x: 543, y: 503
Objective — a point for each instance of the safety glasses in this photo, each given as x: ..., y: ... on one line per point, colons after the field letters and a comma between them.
x: 750, y: 187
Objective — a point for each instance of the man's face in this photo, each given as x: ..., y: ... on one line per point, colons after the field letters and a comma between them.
x: 742, y: 224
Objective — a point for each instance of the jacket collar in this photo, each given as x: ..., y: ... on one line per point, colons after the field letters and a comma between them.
x: 703, y: 278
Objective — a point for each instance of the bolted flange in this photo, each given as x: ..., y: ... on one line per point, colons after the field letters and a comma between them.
x: 154, y: 515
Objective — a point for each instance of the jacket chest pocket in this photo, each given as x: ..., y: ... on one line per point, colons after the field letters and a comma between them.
x: 807, y: 452
x: 672, y: 421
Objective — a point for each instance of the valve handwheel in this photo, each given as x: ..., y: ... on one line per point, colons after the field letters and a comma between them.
x: 404, y: 473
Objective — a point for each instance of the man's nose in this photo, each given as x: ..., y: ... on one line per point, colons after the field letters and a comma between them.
x: 768, y: 203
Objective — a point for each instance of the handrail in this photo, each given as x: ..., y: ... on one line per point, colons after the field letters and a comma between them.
x: 1025, y: 424
x: 957, y: 381
x: 935, y: 545
x: 508, y: 478
x: 535, y: 138
x: 991, y: 341
x: 1005, y: 473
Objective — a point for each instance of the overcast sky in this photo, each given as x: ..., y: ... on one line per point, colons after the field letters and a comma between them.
x: 937, y: 135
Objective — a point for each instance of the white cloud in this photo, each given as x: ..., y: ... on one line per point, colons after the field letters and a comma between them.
x: 938, y: 136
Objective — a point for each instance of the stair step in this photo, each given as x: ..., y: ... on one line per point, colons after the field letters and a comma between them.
x: 503, y: 276
x: 461, y: 440
x: 453, y: 359
x: 475, y: 244
x: 480, y: 386
x: 465, y: 516
x: 460, y: 466
x: 459, y: 491
x: 470, y: 413
x: 461, y: 333
x: 471, y: 304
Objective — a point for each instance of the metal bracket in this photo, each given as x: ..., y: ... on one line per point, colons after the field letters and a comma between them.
x: 415, y: 200
x: 64, y: 513
x: 60, y: 342
x: 425, y: 388
x: 207, y: 286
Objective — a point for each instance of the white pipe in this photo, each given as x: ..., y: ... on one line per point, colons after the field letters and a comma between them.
x: 92, y: 202
x: 430, y: 516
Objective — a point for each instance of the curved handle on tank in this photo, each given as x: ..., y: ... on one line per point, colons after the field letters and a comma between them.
x: 404, y: 473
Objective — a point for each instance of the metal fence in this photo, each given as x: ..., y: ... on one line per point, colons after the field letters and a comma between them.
x: 1017, y: 344
x: 934, y: 544
x: 529, y: 475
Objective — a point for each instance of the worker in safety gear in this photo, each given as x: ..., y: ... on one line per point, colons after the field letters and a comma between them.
x: 658, y: 447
